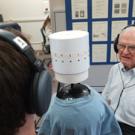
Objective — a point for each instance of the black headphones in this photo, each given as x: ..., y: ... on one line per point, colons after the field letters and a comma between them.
x: 117, y: 38
x: 42, y: 85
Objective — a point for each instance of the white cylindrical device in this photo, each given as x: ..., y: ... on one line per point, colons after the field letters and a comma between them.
x: 70, y: 55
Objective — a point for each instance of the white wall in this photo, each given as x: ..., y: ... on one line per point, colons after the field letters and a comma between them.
x: 22, y: 9
x: 28, y: 13
x: 57, y: 11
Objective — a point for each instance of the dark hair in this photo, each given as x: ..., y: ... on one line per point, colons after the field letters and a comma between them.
x: 16, y: 75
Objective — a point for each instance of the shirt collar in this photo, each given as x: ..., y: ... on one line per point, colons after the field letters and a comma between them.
x: 124, y: 70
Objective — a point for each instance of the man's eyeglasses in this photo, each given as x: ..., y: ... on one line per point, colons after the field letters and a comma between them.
x: 130, y: 48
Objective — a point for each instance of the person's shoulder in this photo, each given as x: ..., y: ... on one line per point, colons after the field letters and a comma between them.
x: 94, y: 92
x: 99, y: 100
x: 115, y: 67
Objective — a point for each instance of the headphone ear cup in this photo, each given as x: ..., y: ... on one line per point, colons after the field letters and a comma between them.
x: 41, y: 92
x: 115, y: 44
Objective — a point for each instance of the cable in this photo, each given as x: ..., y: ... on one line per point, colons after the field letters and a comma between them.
x: 124, y: 87
x: 121, y: 95
x: 118, y: 101
x: 37, y: 125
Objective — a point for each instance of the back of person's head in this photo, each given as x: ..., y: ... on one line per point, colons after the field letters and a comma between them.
x: 16, y: 74
x: 25, y: 85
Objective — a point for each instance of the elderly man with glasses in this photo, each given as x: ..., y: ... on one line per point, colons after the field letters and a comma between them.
x: 120, y: 88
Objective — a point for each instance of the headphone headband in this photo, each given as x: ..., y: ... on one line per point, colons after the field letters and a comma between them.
x: 132, y: 25
x: 22, y: 47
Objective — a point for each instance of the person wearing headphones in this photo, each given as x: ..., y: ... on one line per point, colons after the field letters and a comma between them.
x: 120, y: 88
x: 23, y: 81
